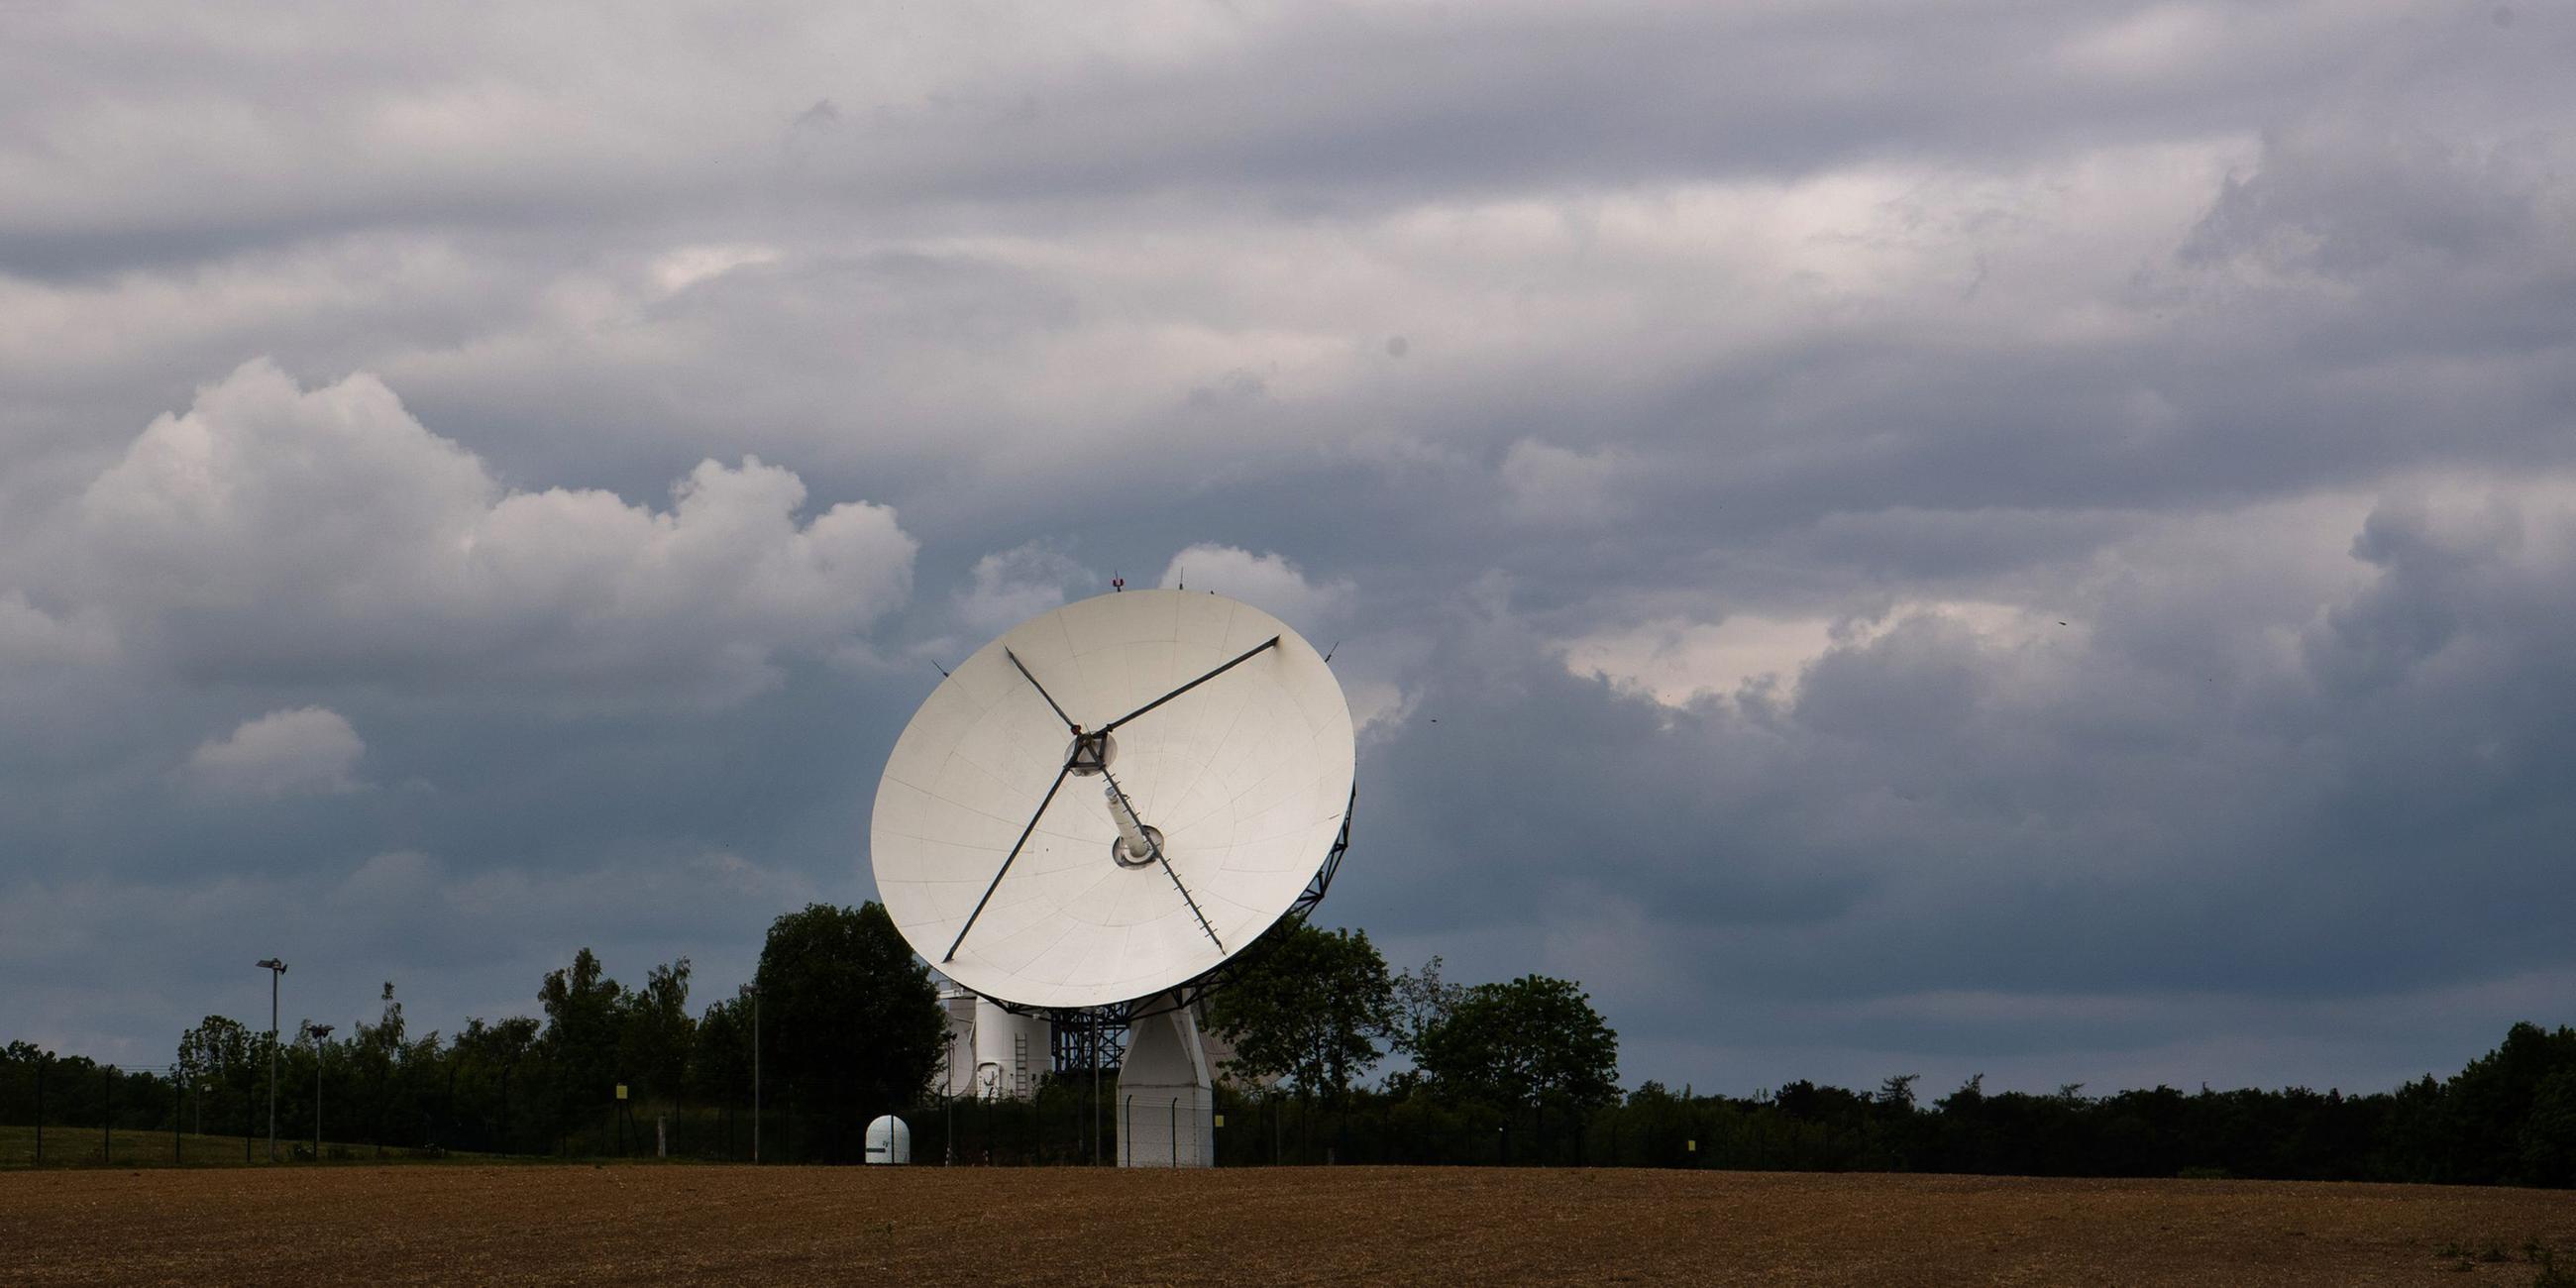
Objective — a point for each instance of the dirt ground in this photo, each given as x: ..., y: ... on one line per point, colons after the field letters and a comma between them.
x: 788, y: 1225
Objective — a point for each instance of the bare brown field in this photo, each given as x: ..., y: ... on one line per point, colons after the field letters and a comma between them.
x: 782, y: 1225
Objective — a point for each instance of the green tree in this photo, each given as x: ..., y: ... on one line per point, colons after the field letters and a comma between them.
x: 1421, y: 1000
x: 2487, y: 1104
x: 1532, y: 1043
x: 655, y: 1031
x: 720, y: 1055
x: 1896, y: 1092
x: 215, y: 1059
x: 217, y: 1048
x: 1308, y: 1005
x: 487, y: 1091
x: 851, y: 1021
x: 583, y: 1007
x: 722, y: 1041
x: 382, y: 1078
x: 2547, y: 1141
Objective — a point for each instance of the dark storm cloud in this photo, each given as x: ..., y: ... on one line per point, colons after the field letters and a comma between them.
x: 2093, y: 815
x: 1705, y: 415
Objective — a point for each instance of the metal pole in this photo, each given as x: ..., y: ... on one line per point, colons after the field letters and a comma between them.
x: 755, y: 1075
x: 41, y: 1062
x: 178, y: 1108
x: 275, y: 968
x: 1127, y: 1152
x: 107, y: 1117
x: 1176, y: 1133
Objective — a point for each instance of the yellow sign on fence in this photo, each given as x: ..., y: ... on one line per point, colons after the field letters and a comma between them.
x: 621, y: 1091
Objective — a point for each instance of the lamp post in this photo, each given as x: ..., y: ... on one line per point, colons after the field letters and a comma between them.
x: 319, y: 1032
x: 275, y: 969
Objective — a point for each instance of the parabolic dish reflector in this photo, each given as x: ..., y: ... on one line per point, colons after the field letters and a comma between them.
x: 998, y: 842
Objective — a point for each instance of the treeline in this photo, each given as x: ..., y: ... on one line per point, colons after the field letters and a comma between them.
x: 2508, y: 1118
x: 1524, y: 1072
x: 850, y: 1020
x: 1519, y: 1072
x: 513, y: 1086
x: 37, y: 1086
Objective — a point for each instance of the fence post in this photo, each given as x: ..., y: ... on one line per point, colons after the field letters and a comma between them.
x: 177, y: 1109
x: 1127, y: 1151
x: 1176, y: 1133
x: 107, y: 1116
x: 41, y: 1062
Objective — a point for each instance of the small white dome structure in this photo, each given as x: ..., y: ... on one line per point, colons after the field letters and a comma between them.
x: 889, y: 1141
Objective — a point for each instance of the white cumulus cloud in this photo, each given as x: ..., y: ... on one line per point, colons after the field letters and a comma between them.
x: 1269, y: 582
x: 300, y: 751
x: 272, y: 530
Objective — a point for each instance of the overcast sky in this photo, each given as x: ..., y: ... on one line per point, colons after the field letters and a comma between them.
x: 1880, y: 538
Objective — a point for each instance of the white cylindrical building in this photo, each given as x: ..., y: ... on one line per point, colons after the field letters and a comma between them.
x: 1012, y: 1052
x: 992, y: 1053
x: 889, y: 1140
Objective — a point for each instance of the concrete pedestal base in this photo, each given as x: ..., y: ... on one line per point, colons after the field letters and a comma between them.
x: 1166, y: 1101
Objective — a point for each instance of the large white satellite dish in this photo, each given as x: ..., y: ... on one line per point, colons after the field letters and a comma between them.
x: 1104, y: 806
x: 1112, y: 799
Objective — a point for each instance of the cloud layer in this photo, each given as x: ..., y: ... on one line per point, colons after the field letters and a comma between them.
x: 1924, y: 538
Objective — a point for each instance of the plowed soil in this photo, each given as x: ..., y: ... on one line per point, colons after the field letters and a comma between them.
x: 788, y: 1225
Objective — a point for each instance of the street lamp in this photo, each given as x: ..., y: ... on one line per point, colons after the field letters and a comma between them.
x: 275, y: 968
x: 319, y: 1032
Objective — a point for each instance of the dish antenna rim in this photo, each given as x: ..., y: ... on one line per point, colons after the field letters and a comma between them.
x: 1226, y: 767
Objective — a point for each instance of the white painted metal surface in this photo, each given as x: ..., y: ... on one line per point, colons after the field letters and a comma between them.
x: 1012, y: 1052
x: 1166, y: 1101
x: 1244, y: 780
x: 956, y: 1075
x: 990, y: 1052
x: 889, y: 1140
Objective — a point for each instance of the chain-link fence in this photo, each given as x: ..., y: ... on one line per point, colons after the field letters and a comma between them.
x: 73, y: 1112
x: 76, y: 1112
